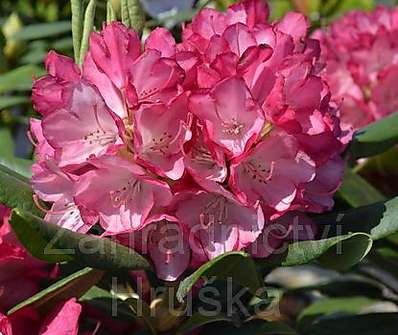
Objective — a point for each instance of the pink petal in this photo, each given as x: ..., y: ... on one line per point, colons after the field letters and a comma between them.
x: 63, y: 320
x: 295, y: 25
x: 120, y: 193
x: 161, y: 40
x: 221, y: 113
x: 114, y: 50
x: 83, y: 128
x: 160, y: 132
x: 61, y: 67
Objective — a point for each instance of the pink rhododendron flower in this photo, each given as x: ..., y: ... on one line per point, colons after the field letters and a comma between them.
x: 188, y: 150
x: 360, y: 51
x: 162, y: 239
x: 216, y: 222
x: 20, y: 274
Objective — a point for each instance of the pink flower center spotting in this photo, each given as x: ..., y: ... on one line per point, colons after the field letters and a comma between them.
x: 215, y: 138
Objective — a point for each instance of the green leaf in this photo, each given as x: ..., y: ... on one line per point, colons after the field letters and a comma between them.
x: 88, y: 26
x: 378, y: 220
x: 375, y: 138
x: 356, y: 191
x: 238, y: 266
x: 73, y: 285
x: 10, y: 101
x: 199, y: 320
x: 45, y: 240
x: 327, y: 306
x: 107, y: 302
x: 343, y: 287
x: 366, y: 324
x: 339, y: 252
x: 42, y: 30
x: 77, y: 27
x: 15, y: 190
x: 19, y: 79
x: 7, y: 144
x: 22, y: 167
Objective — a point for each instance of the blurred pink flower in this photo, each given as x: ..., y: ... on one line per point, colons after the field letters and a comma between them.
x: 360, y: 51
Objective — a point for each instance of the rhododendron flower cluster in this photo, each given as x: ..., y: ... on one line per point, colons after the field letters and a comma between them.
x: 361, y: 55
x: 188, y: 150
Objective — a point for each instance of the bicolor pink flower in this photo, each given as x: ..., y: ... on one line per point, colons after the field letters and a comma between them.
x: 83, y: 128
x: 217, y: 222
x: 231, y: 118
x: 43, y: 150
x: 361, y: 67
x: 164, y: 242
x: 203, y: 160
x: 51, y: 184
x: 160, y: 132
x: 272, y: 172
x: 121, y: 193
x: 125, y: 76
x: 277, y: 234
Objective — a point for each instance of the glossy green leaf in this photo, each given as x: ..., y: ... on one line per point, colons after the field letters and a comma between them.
x: 42, y: 30
x: 378, y: 220
x: 339, y: 252
x: 238, y: 266
x: 366, y: 324
x: 19, y: 79
x: 327, y: 306
x: 45, y: 240
x: 10, y: 101
x: 375, y: 138
x: 341, y: 287
x: 356, y: 191
x: 73, y: 285
x: 108, y: 303
x: 15, y: 190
